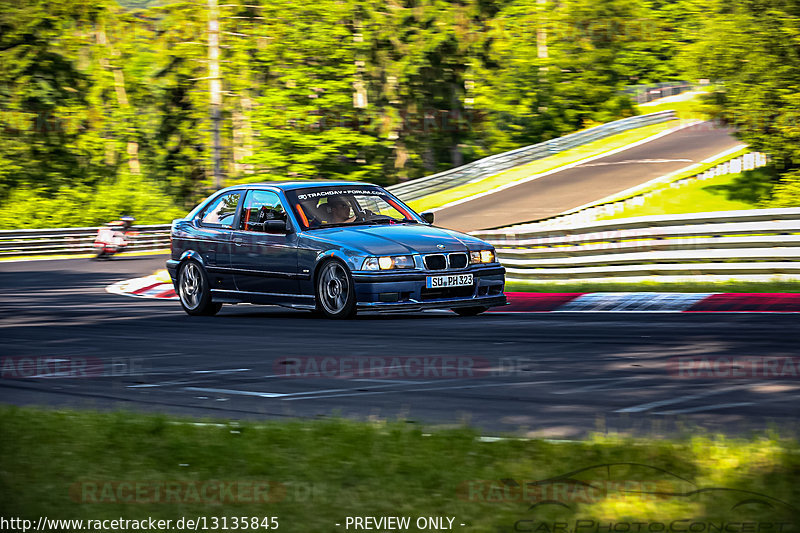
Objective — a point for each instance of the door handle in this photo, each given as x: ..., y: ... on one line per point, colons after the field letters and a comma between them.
x: 238, y: 242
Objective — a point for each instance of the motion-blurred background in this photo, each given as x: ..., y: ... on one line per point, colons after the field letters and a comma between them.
x: 144, y: 107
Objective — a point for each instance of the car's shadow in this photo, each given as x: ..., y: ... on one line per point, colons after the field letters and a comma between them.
x: 278, y: 312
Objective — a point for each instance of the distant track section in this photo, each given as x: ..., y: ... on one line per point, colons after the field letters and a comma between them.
x: 552, y: 193
x: 494, y: 164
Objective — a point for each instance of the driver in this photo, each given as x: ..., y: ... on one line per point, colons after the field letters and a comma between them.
x: 340, y: 211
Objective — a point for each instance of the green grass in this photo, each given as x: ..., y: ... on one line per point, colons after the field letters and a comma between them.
x: 56, y: 462
x: 621, y: 286
x: 745, y: 190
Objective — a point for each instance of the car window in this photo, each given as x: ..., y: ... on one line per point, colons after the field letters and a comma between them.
x: 260, y: 206
x: 318, y: 207
x: 222, y: 210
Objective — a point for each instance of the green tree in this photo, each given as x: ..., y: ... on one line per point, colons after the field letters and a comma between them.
x: 751, y: 47
x: 308, y: 126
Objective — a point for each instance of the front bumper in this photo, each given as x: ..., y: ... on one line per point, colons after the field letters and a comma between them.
x: 403, y: 291
x: 172, y: 269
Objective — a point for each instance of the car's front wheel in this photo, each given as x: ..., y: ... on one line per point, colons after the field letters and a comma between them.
x: 470, y: 311
x: 194, y: 292
x: 335, y: 292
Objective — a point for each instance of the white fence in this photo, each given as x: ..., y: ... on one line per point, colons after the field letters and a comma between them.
x: 758, y: 245
x: 28, y: 242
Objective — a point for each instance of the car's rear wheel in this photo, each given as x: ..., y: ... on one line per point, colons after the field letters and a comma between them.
x: 470, y: 311
x: 193, y: 291
x: 335, y: 292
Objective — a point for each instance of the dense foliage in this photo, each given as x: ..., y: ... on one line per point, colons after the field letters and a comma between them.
x: 753, y: 48
x: 114, y: 97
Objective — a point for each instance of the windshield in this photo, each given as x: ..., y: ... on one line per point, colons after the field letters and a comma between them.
x: 319, y: 207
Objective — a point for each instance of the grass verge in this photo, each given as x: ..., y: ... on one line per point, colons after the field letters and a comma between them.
x: 619, y: 286
x: 714, y: 194
x: 686, y: 109
x: 87, y: 465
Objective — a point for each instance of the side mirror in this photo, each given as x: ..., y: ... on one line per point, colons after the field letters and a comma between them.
x: 428, y: 217
x: 276, y: 226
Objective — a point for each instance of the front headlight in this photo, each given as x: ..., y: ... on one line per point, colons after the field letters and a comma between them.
x: 482, y: 256
x: 387, y: 262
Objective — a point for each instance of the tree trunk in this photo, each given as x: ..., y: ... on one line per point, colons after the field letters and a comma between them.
x: 122, y: 96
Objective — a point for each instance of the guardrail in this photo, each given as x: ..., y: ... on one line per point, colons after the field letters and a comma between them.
x: 27, y: 242
x: 757, y: 244
x: 488, y: 166
x: 642, y: 94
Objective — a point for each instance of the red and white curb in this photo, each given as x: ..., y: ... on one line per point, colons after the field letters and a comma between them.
x: 652, y: 302
x: 156, y: 285
x: 159, y: 286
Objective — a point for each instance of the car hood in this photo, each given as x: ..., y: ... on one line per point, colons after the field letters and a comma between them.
x: 398, y: 239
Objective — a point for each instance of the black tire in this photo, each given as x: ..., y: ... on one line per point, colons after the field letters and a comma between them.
x: 193, y: 291
x: 469, y: 311
x: 334, y: 290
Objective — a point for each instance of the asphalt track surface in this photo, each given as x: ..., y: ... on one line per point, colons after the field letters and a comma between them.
x: 555, y: 193
x: 558, y: 375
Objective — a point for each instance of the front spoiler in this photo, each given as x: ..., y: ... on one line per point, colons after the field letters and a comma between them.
x: 483, y: 301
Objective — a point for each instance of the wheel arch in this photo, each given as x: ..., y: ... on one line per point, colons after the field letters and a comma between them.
x: 330, y: 255
x: 191, y: 254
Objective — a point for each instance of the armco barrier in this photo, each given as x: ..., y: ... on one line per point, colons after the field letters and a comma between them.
x: 28, y: 242
x: 488, y: 166
x: 758, y: 244
x: 647, y: 93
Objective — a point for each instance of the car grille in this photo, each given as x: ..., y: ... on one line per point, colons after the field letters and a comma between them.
x: 458, y: 260
x: 454, y: 260
x: 436, y: 262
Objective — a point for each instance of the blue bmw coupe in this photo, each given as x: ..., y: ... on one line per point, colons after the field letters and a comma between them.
x: 332, y: 247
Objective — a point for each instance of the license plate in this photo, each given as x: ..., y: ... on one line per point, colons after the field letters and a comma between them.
x: 458, y: 280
